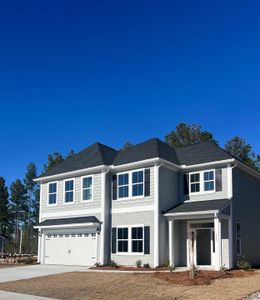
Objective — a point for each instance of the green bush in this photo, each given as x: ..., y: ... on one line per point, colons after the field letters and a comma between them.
x: 113, y: 264
x: 97, y: 264
x: 194, y: 270
x: 223, y: 268
x: 171, y: 268
x: 28, y: 260
x: 147, y: 266
x: 243, y: 265
x: 166, y: 264
x: 138, y: 263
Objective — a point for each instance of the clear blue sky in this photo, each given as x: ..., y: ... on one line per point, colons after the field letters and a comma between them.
x: 76, y: 72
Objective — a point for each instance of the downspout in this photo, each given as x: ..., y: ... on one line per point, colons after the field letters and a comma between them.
x: 156, y: 214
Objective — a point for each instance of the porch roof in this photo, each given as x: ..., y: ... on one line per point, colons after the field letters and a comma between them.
x: 198, y: 206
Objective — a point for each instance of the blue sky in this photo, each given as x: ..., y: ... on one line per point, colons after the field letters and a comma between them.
x: 76, y: 72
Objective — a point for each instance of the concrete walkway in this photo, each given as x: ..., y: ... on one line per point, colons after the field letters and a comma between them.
x: 26, y: 272
x: 15, y: 296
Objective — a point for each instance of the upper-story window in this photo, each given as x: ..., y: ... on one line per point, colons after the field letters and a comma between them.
x: 138, y: 183
x: 52, y: 190
x: 203, y: 181
x: 69, y: 191
x: 87, y: 188
x: 123, y: 185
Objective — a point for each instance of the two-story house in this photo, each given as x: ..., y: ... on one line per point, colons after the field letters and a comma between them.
x: 150, y: 202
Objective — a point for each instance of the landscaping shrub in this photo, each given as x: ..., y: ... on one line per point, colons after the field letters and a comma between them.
x: 28, y: 260
x: 194, y: 270
x: 138, y: 263
x: 113, y: 264
x: 243, y: 265
x: 223, y: 268
x: 171, y: 268
x: 97, y: 264
x: 166, y: 264
x: 147, y: 266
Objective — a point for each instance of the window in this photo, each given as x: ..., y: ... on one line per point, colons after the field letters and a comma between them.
x: 209, y: 181
x: 122, y: 240
x: 69, y: 191
x: 52, y: 193
x: 238, y: 238
x: 137, y: 239
x: 87, y: 188
x: 203, y: 181
x: 195, y: 183
x: 123, y: 185
x: 137, y: 183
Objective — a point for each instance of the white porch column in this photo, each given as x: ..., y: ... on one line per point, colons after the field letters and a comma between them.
x: 42, y: 256
x: 156, y: 215
x: 39, y: 246
x: 171, y: 244
x: 218, y: 244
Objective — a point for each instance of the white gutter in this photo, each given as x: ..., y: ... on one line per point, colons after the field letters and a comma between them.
x: 72, y: 173
x: 65, y: 225
x: 208, y: 164
x: 204, y: 212
x: 145, y: 162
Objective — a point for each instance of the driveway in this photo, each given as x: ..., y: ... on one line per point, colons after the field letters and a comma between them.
x: 27, y: 272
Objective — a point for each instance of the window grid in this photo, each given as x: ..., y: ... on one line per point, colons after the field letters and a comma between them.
x: 123, y: 185
x: 69, y: 191
x: 52, y: 193
x: 202, y: 182
x: 122, y: 240
x: 138, y: 183
x: 87, y: 188
x: 130, y: 240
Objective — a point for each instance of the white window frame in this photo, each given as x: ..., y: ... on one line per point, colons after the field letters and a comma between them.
x: 130, y: 185
x: 130, y: 252
x: 122, y: 240
x: 92, y: 189
x: 48, y: 194
x: 64, y: 192
x: 201, y: 182
x: 238, y: 239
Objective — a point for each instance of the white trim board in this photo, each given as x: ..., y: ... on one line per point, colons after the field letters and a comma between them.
x: 71, y: 213
x: 67, y: 225
x: 119, y: 210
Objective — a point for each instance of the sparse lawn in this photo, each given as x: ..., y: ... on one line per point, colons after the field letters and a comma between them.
x: 81, y: 285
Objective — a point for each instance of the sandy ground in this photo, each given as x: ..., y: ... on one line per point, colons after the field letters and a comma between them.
x: 131, y: 286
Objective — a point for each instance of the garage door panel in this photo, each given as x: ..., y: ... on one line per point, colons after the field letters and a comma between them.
x: 70, y: 249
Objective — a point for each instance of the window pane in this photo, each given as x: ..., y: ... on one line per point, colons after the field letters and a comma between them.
x: 209, y: 186
x: 52, y: 198
x: 87, y: 182
x: 122, y: 233
x: 69, y: 197
x: 195, y: 177
x: 138, y: 190
x: 195, y: 187
x: 137, y: 246
x: 52, y: 188
x: 123, y: 191
x: 122, y: 246
x: 137, y: 177
x: 208, y: 175
x: 69, y: 185
x: 87, y: 194
x: 123, y: 179
x: 137, y: 232
x: 238, y: 246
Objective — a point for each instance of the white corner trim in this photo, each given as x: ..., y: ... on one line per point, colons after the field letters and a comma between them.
x: 70, y: 213
x: 119, y: 210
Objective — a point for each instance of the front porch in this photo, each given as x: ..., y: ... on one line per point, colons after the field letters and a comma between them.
x: 200, y: 234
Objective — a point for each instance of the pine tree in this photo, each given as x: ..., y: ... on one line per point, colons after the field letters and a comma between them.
x: 4, y: 212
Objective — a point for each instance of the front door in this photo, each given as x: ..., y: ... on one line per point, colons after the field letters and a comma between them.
x: 203, y: 247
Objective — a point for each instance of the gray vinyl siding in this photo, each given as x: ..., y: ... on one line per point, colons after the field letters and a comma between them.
x: 136, y: 201
x: 246, y: 210
x: 145, y: 218
x: 78, y: 204
x: 168, y: 197
x: 206, y: 196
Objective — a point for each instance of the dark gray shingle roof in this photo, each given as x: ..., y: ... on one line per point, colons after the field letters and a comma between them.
x: 66, y: 221
x: 149, y: 149
x: 95, y: 155
x: 199, y: 206
x: 99, y: 154
x: 201, y: 153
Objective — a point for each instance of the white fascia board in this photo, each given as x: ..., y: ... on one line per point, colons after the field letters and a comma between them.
x: 208, y: 164
x: 67, y: 226
x: 72, y: 173
x: 191, y: 213
x: 137, y: 164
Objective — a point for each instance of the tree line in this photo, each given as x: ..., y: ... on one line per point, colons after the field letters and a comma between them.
x: 19, y: 203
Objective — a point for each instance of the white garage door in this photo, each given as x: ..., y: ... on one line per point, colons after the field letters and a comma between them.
x: 70, y: 249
